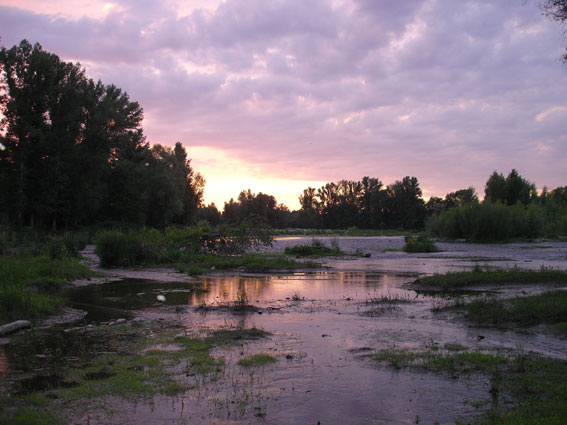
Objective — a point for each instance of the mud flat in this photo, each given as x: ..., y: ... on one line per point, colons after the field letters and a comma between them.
x: 353, y: 343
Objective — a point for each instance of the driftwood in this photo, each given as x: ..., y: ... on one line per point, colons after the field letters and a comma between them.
x: 14, y: 326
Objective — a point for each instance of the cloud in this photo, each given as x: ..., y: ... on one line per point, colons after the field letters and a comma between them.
x: 323, y: 90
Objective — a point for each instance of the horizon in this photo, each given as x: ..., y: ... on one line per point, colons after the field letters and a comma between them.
x: 276, y: 97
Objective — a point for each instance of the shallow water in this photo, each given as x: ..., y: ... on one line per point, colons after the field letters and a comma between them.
x: 322, y: 325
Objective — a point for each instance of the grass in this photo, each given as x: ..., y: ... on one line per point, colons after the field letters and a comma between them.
x: 253, y: 262
x: 257, y: 360
x: 539, y: 392
x: 548, y: 307
x: 485, y: 277
x: 29, y: 285
x: 435, y: 359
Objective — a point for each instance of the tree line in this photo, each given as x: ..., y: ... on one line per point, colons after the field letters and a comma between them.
x: 512, y: 207
x: 73, y: 151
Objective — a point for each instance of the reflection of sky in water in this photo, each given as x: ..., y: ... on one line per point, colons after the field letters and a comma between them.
x: 312, y: 286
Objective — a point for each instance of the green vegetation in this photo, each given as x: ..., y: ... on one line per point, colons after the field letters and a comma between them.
x: 199, y: 264
x: 179, y: 245
x: 436, y: 359
x: 124, y: 362
x: 76, y: 154
x: 536, y: 385
x: 29, y: 283
x: 481, y: 277
x: 512, y: 209
x: 194, y: 250
x: 316, y: 249
x: 549, y: 307
x: 420, y: 244
x: 257, y: 360
x: 539, y: 393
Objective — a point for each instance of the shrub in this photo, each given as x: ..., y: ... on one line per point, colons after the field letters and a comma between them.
x: 116, y: 249
x: 421, y: 244
x: 489, y: 222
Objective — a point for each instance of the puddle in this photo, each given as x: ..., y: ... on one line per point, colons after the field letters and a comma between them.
x: 323, y: 325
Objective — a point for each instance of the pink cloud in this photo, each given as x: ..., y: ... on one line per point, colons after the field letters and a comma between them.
x: 320, y: 90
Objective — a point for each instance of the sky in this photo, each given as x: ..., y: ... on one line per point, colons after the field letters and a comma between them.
x: 279, y: 95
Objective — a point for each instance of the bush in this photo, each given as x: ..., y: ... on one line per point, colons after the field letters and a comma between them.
x: 116, y: 249
x: 489, y: 222
x: 175, y: 245
x: 421, y: 244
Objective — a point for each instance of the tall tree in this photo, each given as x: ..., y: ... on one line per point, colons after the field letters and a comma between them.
x: 73, y: 151
x: 405, y: 207
x: 495, y: 188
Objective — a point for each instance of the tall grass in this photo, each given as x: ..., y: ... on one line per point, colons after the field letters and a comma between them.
x: 28, y: 285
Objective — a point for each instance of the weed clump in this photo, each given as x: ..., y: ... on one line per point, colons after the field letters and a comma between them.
x: 316, y: 249
x: 257, y: 360
x: 420, y: 244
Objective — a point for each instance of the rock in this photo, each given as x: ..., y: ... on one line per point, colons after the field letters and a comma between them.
x: 120, y: 322
x: 14, y: 326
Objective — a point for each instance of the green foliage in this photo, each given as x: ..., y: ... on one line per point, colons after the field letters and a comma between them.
x: 74, y: 152
x: 539, y: 393
x: 439, y: 360
x: 116, y: 249
x: 420, y: 244
x: 316, y: 249
x: 489, y: 222
x: 28, y: 285
x: 30, y: 416
x: 189, y: 245
x: 511, y: 210
x: 251, y: 262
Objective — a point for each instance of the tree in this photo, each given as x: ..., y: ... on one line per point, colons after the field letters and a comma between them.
x: 309, y: 212
x: 405, y: 207
x: 461, y: 197
x: 495, y: 187
x: 510, y: 190
x: 74, y: 152
x: 260, y: 206
x: 371, y: 203
x: 556, y: 10
x: 44, y: 112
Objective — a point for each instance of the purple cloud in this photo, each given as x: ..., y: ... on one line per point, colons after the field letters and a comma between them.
x: 323, y: 90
